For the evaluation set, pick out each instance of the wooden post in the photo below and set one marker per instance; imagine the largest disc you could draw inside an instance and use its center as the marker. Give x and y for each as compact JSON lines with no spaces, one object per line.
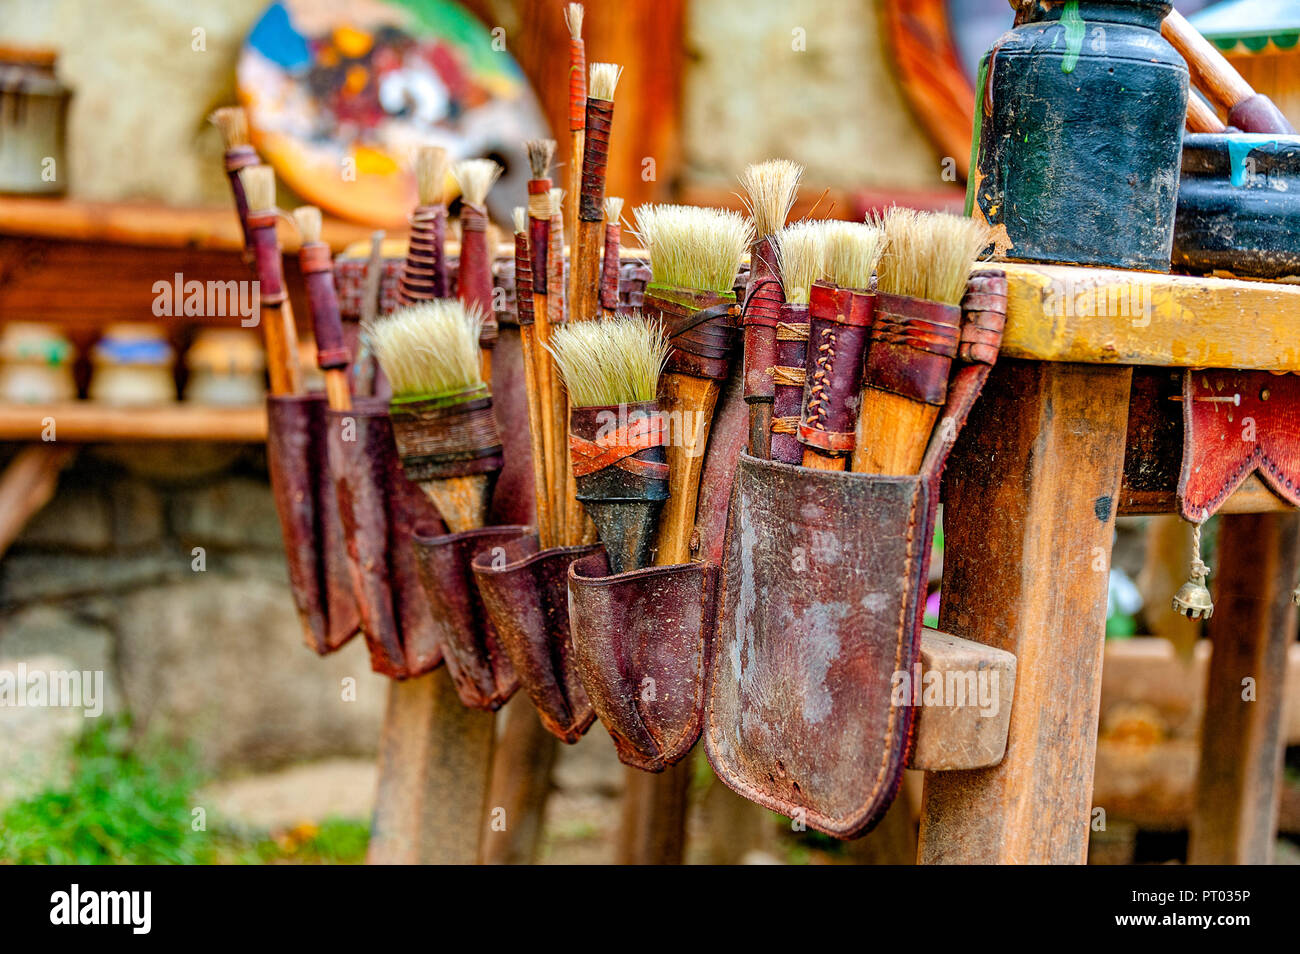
{"x":1234,"y":821}
{"x":653,"y":830}
{"x":435,"y":756}
{"x":521,"y":782}
{"x":1029,"y":513}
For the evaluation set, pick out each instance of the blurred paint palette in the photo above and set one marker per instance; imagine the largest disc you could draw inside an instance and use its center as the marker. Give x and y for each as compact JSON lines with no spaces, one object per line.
{"x":340,"y":94}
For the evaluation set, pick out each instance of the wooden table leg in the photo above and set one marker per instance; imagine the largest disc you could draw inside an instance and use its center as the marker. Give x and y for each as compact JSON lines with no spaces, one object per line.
{"x":434,"y":759}
{"x":653,"y":827}
{"x":521,"y":785}
{"x":1234,"y":821}
{"x":1028,"y":519}
{"x":27,"y":484}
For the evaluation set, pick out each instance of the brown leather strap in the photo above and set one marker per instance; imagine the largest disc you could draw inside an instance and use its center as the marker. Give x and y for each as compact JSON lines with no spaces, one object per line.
{"x":616,"y":449}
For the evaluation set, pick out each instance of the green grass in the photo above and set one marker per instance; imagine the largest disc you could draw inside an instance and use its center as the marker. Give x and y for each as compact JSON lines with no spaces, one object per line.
{"x":132,"y":802}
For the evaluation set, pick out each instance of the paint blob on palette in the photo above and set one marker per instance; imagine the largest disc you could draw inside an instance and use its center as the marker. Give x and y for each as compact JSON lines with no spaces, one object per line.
{"x":340,"y":95}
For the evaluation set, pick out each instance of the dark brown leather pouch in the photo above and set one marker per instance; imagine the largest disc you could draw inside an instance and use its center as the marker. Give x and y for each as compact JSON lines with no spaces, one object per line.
{"x":642,"y":638}
{"x":641,"y":642}
{"x":524,"y":593}
{"x":820,"y":604}
{"x":309,"y":521}
{"x":480,"y":669}
{"x":380,"y":510}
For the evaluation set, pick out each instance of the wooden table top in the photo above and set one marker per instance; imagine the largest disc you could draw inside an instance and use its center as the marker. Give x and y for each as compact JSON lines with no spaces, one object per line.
{"x":1111,"y":316}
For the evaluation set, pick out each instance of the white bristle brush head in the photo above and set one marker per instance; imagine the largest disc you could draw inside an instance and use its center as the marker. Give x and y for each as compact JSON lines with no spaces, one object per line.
{"x":308,"y":220}
{"x":429,"y":349}
{"x":259,"y":187}
{"x":603,"y":81}
{"x":693,"y":246}
{"x":800,"y":258}
{"x":610,"y":361}
{"x":770,"y":189}
{"x":431,"y":174}
{"x":475,"y":177}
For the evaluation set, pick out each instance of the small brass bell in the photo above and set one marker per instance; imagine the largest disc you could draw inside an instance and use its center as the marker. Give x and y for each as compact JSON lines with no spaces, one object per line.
{"x":1193,"y":597}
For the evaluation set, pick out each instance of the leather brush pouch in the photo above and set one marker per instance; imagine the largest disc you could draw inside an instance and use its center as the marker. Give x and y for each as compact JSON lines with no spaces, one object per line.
{"x":319,"y":576}
{"x":380,"y":510}
{"x":820,"y":604}
{"x":480,"y":668}
{"x":641,"y":639}
{"x":524,"y":592}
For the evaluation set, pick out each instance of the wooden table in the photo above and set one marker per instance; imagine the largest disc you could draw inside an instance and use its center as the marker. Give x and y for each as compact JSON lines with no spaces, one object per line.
{"x":1031,"y":497}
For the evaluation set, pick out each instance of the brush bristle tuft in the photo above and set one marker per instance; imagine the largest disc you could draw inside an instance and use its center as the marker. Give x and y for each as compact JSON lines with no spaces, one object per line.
{"x":604,"y":80}
{"x":308,"y":218}
{"x":431,"y":174}
{"x":430,"y":348}
{"x":541,"y":153}
{"x":573,"y":20}
{"x":613,"y":209}
{"x":801,"y":258}
{"x":692,"y":246}
{"x":232,"y":123}
{"x":770,"y":188}
{"x":928,"y":255}
{"x":610,"y":360}
{"x":852,"y":253}
{"x":521,"y":220}
{"x":259,"y":187}
{"x":475,"y":177}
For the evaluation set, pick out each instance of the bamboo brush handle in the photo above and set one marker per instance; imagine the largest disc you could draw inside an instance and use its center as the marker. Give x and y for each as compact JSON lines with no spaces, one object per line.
{"x":892,"y":433}
{"x":536,"y":427}
{"x":584,"y":303}
{"x":690,"y":401}
{"x":546,"y":386}
{"x":1211,"y":73}
{"x":817,"y":461}
{"x":1200,"y":117}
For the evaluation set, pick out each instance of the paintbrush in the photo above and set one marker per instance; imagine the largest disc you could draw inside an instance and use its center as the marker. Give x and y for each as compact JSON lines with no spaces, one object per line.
{"x":694,"y":256}
{"x":840,"y":314}
{"x":568,"y":512}
{"x":540,"y":154}
{"x":584,"y":300}
{"x":424,"y":274}
{"x":232,"y":123}
{"x":317,"y":265}
{"x":555,"y":260}
{"x":611,"y":369}
{"x":363,"y":369}
{"x":610,"y":263}
{"x":800,"y":252}
{"x":475,"y":177}
{"x":528,"y":342}
{"x":276,"y":313}
{"x":920,"y":282}
{"x":441,"y":409}
{"x":577,"y":114}
{"x":770,"y":189}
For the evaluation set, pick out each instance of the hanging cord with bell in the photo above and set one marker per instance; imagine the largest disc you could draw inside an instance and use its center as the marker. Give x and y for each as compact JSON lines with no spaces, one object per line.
{"x":1193,"y":597}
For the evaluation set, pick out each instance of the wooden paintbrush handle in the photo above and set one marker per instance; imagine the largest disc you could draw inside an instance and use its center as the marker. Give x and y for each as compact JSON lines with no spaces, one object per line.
{"x":1200,"y":117}
{"x":1211,"y":73}
{"x":276,"y":313}
{"x":332,"y":355}
{"x":893,"y":432}
{"x":536,"y":425}
{"x":688,"y":404}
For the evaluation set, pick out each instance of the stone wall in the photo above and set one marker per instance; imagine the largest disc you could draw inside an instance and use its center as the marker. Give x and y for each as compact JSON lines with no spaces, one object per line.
{"x":103,"y":579}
